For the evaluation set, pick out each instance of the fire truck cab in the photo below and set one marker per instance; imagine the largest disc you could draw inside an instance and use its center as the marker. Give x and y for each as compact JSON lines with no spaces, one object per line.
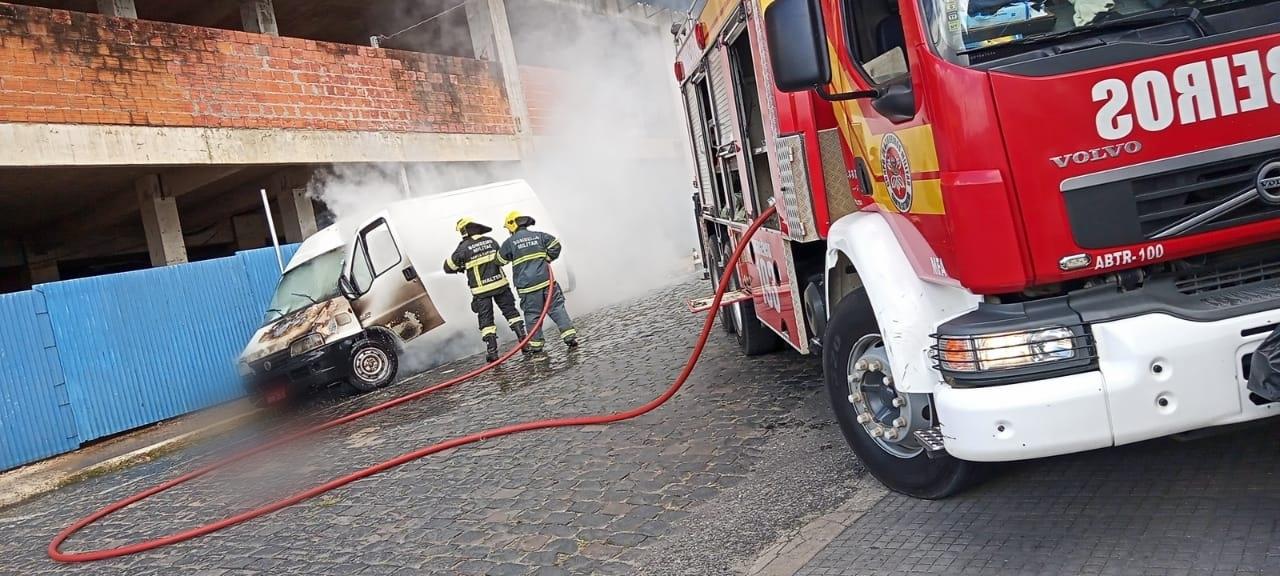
{"x":1012,"y":228}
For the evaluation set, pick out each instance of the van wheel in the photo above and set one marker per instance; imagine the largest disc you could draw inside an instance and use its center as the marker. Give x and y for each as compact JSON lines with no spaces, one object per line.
{"x":373,"y":365}
{"x":876,"y":419}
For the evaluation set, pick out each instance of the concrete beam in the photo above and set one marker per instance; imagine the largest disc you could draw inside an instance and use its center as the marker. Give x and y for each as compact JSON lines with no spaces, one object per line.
{"x":259,"y":17}
{"x":118,"y":8}
{"x":491,"y":40}
{"x":124,"y":204}
{"x":160,"y":222}
{"x":297,"y":213}
{"x":634,"y":12}
{"x":33,"y":145}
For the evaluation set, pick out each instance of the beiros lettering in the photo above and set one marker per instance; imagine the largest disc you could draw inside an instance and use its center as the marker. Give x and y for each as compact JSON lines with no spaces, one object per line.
{"x":1193,"y":92}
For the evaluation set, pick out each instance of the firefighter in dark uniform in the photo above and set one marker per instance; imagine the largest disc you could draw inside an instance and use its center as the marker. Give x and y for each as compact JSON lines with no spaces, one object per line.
{"x":477,"y":256}
{"x":531,"y":253}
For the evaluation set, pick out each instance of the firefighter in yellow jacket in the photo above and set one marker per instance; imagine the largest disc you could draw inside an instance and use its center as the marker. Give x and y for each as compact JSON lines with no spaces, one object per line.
{"x":478,"y":257}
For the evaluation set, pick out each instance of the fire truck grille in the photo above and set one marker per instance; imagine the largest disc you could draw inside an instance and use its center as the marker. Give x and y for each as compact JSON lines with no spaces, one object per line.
{"x":1227,"y":277}
{"x":1148,"y":208}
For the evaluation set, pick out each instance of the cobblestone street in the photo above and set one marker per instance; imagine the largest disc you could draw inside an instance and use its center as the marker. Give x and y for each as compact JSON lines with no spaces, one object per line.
{"x":595,"y":500}
{"x":1161,"y":508}
{"x":743,"y":472}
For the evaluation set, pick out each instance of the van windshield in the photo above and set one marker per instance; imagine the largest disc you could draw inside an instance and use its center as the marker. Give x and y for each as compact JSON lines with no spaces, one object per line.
{"x":311,"y":282}
{"x":961,"y":27}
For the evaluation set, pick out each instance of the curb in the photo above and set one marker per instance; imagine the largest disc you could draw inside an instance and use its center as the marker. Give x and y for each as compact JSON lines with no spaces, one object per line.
{"x":34,"y":480}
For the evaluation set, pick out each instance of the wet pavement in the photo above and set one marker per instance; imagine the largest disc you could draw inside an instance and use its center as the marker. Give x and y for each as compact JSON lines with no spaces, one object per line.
{"x":743,"y":472}
{"x":1205,"y":507}
{"x":609,"y":499}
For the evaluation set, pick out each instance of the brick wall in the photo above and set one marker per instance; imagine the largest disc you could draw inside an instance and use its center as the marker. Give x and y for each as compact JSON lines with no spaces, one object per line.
{"x":70,"y":67}
{"x":543,"y":87}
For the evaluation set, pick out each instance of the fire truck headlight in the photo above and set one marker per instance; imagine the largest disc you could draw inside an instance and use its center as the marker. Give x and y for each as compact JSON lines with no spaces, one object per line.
{"x":1007,"y":351}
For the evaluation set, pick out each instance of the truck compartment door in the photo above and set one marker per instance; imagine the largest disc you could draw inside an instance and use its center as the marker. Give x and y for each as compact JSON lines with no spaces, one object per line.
{"x":384,"y":287}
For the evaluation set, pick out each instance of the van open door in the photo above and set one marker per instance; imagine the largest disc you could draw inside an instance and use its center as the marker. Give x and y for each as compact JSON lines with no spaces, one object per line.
{"x":383,"y":286}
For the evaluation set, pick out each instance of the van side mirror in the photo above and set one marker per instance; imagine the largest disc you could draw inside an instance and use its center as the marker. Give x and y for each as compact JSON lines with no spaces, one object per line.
{"x":797,"y":38}
{"x":344,"y":286}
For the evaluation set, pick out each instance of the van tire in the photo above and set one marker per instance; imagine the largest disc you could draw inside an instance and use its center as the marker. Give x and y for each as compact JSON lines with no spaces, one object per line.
{"x":373,"y":365}
{"x":918,"y":476}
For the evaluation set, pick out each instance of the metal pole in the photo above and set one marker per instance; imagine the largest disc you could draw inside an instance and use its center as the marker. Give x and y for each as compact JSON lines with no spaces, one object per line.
{"x":271,"y":225}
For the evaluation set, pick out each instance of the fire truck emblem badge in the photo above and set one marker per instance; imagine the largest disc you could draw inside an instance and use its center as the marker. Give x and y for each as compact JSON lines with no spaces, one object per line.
{"x":1268,"y":183}
{"x":897,"y":172}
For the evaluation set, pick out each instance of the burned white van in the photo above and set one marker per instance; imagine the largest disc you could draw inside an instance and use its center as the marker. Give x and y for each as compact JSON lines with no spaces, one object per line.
{"x":347,"y":304}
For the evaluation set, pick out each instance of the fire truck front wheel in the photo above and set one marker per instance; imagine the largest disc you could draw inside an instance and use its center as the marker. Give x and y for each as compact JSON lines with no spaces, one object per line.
{"x":876,"y":419}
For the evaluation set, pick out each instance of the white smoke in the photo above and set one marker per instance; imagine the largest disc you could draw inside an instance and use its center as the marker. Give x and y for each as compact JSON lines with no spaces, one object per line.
{"x":610,"y":164}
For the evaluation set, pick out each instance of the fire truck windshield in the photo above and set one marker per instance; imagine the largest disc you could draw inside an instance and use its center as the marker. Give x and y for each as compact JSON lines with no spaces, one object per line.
{"x":990,"y":29}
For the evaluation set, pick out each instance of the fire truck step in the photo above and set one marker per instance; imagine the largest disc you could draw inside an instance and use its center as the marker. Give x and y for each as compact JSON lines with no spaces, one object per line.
{"x":703,"y":304}
{"x":931,"y":440}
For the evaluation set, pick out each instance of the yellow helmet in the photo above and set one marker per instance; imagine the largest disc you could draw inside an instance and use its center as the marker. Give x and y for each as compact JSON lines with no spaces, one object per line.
{"x":515,"y":220}
{"x":467,"y":227}
{"x":510,"y":222}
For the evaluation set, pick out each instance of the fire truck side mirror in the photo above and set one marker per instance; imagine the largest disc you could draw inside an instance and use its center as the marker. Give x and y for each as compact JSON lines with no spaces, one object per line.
{"x":797,"y":40}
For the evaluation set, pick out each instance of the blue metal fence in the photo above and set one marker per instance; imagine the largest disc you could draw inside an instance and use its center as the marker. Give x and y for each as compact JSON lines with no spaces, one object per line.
{"x":35,"y":418}
{"x":84,"y":359}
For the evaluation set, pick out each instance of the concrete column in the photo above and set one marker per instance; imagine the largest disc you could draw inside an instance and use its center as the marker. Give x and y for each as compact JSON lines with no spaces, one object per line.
{"x":40,"y":259}
{"x":160,"y":222}
{"x":117,"y":8}
{"x":250,"y":231}
{"x":259,"y":17}
{"x":297,"y":213}
{"x":491,"y":39}
{"x":43,"y":272}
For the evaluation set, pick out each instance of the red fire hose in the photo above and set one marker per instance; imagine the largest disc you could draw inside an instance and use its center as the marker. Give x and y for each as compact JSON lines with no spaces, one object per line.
{"x":247,"y":515}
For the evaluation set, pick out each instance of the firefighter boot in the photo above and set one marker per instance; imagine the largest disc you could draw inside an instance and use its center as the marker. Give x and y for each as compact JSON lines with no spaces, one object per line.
{"x":518,"y":328}
{"x":491,"y":348}
{"x":570,"y":337}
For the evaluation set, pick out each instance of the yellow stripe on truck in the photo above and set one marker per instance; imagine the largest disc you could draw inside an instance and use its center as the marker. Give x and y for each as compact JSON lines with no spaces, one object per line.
{"x":922,"y":152}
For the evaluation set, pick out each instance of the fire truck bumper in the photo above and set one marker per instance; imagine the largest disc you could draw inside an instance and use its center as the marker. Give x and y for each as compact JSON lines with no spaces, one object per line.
{"x":1157,"y":375}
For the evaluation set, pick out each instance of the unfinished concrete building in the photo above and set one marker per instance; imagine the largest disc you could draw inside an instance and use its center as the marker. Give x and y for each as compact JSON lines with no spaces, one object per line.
{"x":137,"y":133}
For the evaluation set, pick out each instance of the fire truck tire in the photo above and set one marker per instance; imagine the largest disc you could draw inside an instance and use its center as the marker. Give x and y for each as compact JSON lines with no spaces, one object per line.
{"x":373,"y":365}
{"x":915,"y":475}
{"x":753,"y":336}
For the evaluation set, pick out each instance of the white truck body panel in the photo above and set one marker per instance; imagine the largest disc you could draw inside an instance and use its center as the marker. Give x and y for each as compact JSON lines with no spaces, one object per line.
{"x":907,"y":308}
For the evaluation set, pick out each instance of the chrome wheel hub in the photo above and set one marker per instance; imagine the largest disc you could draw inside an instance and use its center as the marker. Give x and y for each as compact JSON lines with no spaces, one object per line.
{"x":889,"y":417}
{"x":371,"y":364}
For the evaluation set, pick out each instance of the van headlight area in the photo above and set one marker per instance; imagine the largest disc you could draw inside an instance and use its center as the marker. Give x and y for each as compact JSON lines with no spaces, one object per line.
{"x":999,"y":344}
{"x":306,"y":344}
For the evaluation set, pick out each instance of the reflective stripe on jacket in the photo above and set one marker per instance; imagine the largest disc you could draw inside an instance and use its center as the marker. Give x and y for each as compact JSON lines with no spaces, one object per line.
{"x":530,"y":253}
{"x":478,"y":257}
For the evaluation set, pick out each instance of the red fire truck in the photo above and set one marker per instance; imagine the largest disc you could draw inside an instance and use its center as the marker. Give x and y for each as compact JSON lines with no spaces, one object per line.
{"x":1013,"y":229}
